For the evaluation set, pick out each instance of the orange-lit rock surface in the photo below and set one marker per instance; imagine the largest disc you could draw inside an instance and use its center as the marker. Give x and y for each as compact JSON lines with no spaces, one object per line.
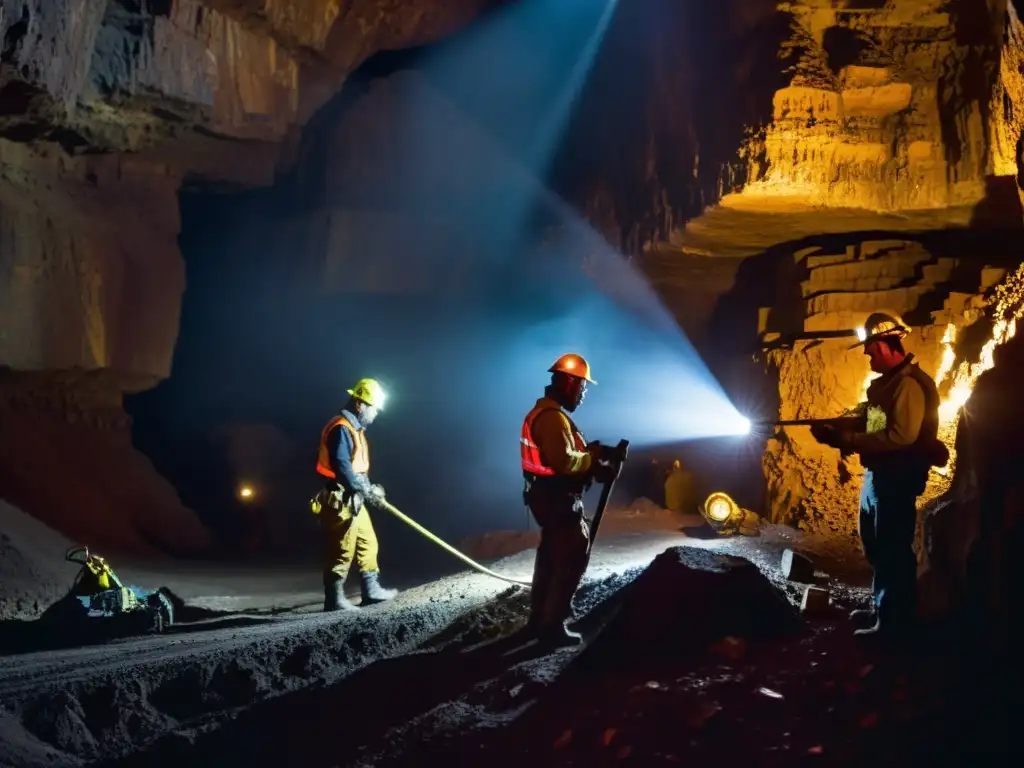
{"x":950,"y":305}
{"x":907,"y":105}
{"x":892,"y":143}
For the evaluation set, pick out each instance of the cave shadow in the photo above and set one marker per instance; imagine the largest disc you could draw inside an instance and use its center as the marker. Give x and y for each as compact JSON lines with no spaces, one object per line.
{"x":702,"y":532}
{"x":771,"y":279}
{"x":327,"y":726}
{"x":1000,"y":207}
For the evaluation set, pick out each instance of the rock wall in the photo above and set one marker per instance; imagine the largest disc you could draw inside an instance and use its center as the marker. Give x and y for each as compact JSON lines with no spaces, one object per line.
{"x":889,"y":107}
{"x":92,"y":274}
{"x":66,"y":458}
{"x":895,"y":133}
{"x":109,"y":106}
{"x":953,"y":305}
{"x":907,"y":105}
{"x":970,"y":539}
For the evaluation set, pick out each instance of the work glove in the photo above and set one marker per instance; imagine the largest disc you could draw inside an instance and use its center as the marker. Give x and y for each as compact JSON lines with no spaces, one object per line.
{"x":824,"y":433}
{"x":602,"y":452}
{"x":828,"y":434}
{"x":936,"y":453}
{"x":605,"y":473}
{"x":375,"y":497}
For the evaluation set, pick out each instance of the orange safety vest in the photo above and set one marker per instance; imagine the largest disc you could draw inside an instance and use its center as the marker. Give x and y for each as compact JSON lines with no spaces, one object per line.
{"x":528,"y":450}
{"x":360,"y":451}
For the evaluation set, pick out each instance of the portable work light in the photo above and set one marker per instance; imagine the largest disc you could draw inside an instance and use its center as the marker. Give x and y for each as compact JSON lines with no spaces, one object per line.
{"x":719,"y":508}
{"x":727,"y":517}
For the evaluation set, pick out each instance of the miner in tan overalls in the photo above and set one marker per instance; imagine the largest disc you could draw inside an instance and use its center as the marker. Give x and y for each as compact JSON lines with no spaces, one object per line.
{"x":348,"y":534}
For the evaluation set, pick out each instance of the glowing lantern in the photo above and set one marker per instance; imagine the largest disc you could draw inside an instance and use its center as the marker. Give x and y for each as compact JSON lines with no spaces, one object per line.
{"x":719,"y":508}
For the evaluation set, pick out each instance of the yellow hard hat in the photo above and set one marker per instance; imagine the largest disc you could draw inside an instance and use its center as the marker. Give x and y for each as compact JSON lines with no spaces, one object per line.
{"x":369,"y":391}
{"x":572,"y":365}
{"x":879,"y":325}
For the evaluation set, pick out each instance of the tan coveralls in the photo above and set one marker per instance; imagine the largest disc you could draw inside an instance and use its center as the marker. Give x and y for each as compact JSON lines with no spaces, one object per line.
{"x":345,"y":538}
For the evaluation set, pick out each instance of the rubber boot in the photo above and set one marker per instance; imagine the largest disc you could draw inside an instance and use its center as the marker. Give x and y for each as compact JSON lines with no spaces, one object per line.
{"x":334,"y":597}
{"x":373,"y":592}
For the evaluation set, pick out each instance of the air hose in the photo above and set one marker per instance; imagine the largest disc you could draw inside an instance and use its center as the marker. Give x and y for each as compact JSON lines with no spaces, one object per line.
{"x":443,"y":544}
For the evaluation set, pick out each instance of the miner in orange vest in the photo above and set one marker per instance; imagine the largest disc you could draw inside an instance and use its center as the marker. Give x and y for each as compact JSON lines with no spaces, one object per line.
{"x":558,"y":466}
{"x":344,"y":461}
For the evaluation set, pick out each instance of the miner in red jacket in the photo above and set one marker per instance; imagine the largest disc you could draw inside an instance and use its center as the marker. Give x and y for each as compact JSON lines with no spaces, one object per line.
{"x":558,"y":467}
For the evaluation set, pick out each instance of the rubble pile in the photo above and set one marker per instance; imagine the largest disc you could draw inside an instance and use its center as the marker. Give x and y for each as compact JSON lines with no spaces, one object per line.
{"x":33,"y":573}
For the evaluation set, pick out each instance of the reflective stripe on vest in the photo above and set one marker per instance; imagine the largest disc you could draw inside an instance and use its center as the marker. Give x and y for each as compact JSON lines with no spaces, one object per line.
{"x":360,"y":449}
{"x":528,"y":450}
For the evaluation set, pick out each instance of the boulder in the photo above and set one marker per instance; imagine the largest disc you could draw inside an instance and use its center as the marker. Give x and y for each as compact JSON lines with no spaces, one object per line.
{"x":689,"y":598}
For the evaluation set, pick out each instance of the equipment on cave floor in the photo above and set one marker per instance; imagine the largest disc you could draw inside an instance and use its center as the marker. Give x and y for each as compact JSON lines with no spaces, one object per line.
{"x":680,"y":493}
{"x":102,"y":607}
{"x":727,"y":517}
{"x":797,"y":567}
{"x":816,"y":602}
{"x":615,"y":457}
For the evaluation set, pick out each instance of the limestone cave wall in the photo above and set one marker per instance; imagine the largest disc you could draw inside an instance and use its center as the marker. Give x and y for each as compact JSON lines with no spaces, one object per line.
{"x":907,"y":105}
{"x":889,"y":107}
{"x":885,"y":175}
{"x":109,"y":107}
{"x":949,"y":295}
{"x":970,"y":539}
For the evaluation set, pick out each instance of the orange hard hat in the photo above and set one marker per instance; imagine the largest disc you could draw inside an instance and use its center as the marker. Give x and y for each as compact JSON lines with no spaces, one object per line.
{"x":572,"y":365}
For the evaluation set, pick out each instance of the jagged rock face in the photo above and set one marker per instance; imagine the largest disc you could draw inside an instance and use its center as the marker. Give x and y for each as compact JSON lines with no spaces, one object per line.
{"x":207,"y":90}
{"x":92,"y":274}
{"x":108,"y":107}
{"x":131,"y":72}
{"x":901,"y":106}
{"x":952,"y":305}
{"x":666,"y":108}
{"x":971,"y":537}
{"x":889,"y":107}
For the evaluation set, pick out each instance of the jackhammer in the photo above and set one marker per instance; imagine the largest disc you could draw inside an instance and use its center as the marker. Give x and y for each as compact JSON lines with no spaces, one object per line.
{"x":933,"y":450}
{"x":841,"y":422}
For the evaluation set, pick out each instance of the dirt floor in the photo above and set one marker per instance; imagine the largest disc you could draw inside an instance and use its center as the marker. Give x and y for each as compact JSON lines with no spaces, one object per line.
{"x":688,"y":656}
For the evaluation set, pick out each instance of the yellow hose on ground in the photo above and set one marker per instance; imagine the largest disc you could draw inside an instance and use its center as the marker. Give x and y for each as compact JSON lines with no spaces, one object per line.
{"x":445,"y":545}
